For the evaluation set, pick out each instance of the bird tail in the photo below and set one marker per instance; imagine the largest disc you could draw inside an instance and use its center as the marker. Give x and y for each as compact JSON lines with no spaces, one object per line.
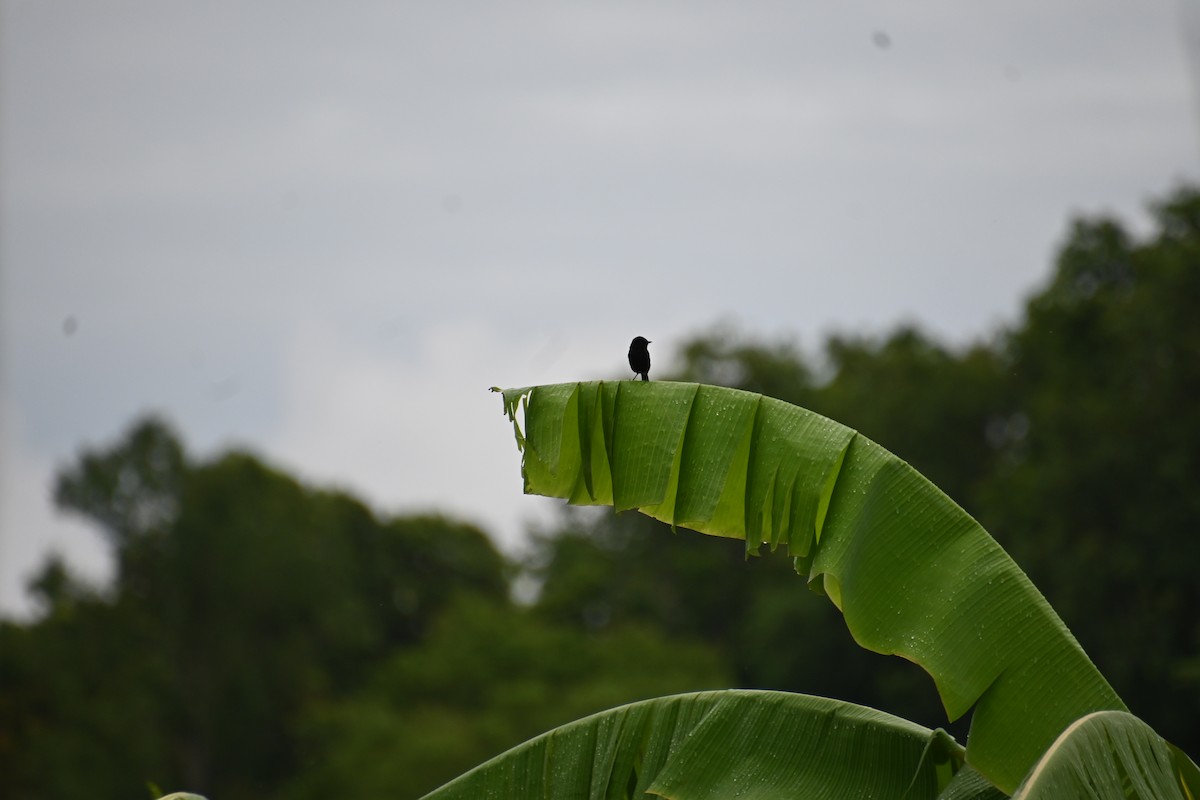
{"x":645,"y":376}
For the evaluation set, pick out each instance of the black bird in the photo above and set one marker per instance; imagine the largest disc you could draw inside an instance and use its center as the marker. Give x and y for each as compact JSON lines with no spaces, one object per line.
{"x":639,"y":357}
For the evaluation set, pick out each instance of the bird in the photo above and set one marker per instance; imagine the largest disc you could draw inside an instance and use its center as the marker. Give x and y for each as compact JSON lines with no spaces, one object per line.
{"x":639,"y":357}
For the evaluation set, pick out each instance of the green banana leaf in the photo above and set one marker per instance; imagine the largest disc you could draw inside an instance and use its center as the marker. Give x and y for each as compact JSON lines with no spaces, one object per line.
{"x":968,"y":784}
{"x":1110,"y":755}
{"x":914,"y":574}
{"x":709,"y":745}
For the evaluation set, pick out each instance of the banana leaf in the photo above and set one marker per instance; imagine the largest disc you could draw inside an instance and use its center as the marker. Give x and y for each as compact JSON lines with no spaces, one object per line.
{"x":1110,"y":755}
{"x":913,"y":574}
{"x":708,"y":745}
{"x":968,"y":784}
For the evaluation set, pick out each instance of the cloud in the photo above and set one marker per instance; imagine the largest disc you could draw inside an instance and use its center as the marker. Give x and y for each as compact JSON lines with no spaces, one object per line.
{"x":324,"y":233}
{"x":416,"y":432}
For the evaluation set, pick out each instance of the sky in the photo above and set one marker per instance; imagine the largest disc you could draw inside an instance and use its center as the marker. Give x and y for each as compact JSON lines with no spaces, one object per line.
{"x":321,"y":231}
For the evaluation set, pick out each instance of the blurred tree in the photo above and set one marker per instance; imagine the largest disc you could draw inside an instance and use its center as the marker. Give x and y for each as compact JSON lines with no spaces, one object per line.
{"x":262,"y":634}
{"x":489,"y":677}
{"x":1094,"y":492}
{"x":78,"y":699}
{"x":604,"y":570}
{"x":928,"y":404}
{"x":726,"y":357}
{"x":241,"y":596}
{"x":131,"y":490}
{"x":1074,"y":437}
{"x":607,"y":569}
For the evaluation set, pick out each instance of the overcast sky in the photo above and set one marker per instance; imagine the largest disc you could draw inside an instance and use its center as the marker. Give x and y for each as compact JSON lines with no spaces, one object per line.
{"x":322,"y":231}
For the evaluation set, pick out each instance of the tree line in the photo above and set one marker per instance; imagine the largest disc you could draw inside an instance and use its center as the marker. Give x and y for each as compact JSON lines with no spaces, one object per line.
{"x":266,"y":638}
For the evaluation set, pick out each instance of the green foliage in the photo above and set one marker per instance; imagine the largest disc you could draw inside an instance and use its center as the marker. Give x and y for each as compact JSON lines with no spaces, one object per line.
{"x":257,"y":630}
{"x":1098,"y":498}
{"x":876,"y":387}
{"x":1072,"y":436}
{"x":605,"y":570}
{"x":131,"y":490}
{"x":242,"y":598}
{"x":714,"y":745}
{"x":1108,"y":755}
{"x":913,"y":574}
{"x":263,"y":637}
{"x":487,"y":678}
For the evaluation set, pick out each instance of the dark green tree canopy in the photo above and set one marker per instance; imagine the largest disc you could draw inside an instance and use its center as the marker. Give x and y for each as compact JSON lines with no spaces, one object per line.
{"x":266,"y":637}
{"x":242,"y":596}
{"x":1072,"y":435}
